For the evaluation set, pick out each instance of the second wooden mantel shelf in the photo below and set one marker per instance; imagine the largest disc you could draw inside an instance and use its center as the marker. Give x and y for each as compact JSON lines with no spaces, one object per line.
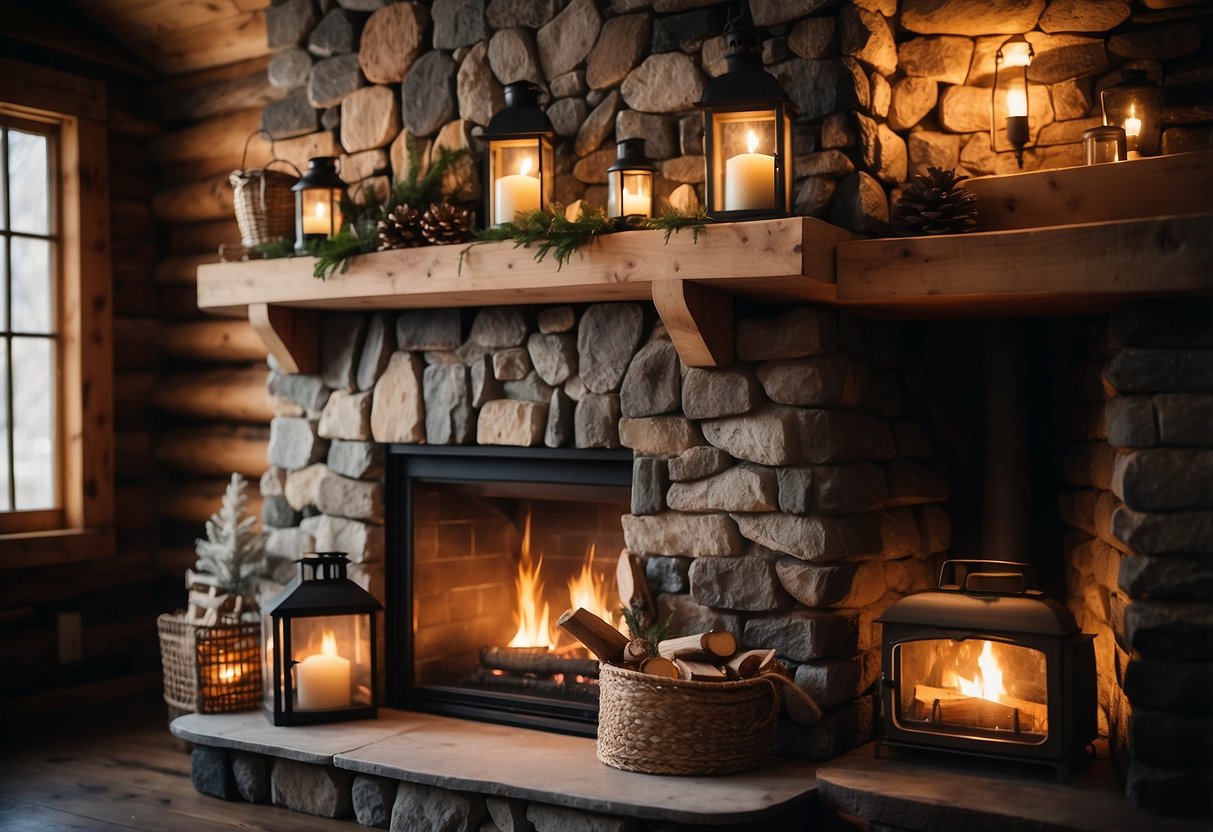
{"x":691,"y":283}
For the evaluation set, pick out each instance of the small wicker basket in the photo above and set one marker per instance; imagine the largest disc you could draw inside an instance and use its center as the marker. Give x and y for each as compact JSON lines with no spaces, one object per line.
{"x":210,"y":669}
{"x":264,"y":202}
{"x":666,"y":726}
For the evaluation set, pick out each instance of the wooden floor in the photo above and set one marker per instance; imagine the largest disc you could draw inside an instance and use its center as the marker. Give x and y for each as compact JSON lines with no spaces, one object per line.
{"x":132,"y":776}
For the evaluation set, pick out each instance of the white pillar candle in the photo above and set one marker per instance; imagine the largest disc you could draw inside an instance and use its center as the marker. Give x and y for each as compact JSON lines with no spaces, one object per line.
{"x":635,"y":204}
{"x":749,"y":180}
{"x":1132,"y":131}
{"x":516,"y":193}
{"x":323,"y":679}
{"x":316,"y":221}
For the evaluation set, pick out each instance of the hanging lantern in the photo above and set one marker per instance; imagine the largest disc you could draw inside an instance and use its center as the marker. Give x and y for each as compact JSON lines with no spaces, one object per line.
{"x":519,"y":167}
{"x":630,"y":182}
{"x":319,"y":194}
{"x":1011,"y":63}
{"x":320,"y":650}
{"x":747,"y":129}
{"x":1135,"y":105}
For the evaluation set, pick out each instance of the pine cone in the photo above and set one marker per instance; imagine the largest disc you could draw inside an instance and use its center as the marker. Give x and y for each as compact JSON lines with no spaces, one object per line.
{"x":935,"y":203}
{"x":400,"y":229}
{"x":445,"y":223}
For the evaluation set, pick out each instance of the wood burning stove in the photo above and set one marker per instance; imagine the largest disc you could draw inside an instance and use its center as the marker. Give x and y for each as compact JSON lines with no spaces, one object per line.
{"x":488,"y":546}
{"x":987,"y":665}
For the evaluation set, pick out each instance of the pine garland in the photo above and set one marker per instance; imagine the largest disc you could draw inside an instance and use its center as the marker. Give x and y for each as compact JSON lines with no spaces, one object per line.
{"x":672,"y":220}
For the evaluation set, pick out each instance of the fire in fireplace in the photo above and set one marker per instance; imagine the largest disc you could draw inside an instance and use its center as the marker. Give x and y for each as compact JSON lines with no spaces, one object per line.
{"x":487,"y":551}
{"x":986,"y":665}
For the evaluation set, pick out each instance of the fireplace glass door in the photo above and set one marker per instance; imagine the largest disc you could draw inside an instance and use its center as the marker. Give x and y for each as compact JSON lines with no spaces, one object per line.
{"x":492,"y":559}
{"x":972,"y":687}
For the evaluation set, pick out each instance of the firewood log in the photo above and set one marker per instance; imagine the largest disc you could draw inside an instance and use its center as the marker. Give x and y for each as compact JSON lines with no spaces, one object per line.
{"x":638,"y":651}
{"x":631,"y":582}
{"x":717,"y":644}
{"x":750,"y":663}
{"x":945,"y":705}
{"x":658,"y":666}
{"x":698,"y":671}
{"x":603,"y":640}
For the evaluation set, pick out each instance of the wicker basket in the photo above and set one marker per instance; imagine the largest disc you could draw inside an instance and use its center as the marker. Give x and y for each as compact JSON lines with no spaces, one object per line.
{"x":210,"y":670}
{"x":264,"y":202}
{"x":666,"y":726}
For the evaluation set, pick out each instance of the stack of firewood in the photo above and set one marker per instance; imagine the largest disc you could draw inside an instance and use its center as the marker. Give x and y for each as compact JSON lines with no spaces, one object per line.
{"x":704,"y":657}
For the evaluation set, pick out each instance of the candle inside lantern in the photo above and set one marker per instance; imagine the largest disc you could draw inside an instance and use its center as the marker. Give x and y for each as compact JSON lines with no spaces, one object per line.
{"x":323,"y":679}
{"x":749,"y":179}
{"x":635,"y":204}
{"x":317,"y":222}
{"x":1017,"y":103}
{"x":1132,"y":131}
{"x":516,"y":193}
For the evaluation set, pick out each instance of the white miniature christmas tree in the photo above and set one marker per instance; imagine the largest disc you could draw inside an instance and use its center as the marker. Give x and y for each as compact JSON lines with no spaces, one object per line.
{"x":230,"y":561}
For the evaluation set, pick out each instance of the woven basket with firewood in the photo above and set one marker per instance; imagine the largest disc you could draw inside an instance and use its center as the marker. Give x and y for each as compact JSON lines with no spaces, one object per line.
{"x":694,"y":705}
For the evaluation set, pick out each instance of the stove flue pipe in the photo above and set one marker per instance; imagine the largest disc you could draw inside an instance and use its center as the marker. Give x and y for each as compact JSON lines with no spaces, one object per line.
{"x":1006,"y":508}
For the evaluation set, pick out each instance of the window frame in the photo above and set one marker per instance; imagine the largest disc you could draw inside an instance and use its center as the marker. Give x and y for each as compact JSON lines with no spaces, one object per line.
{"x":83,"y":528}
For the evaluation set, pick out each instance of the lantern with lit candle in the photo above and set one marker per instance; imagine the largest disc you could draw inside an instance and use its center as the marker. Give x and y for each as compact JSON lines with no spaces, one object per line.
{"x":1135,"y":105}
{"x":1010,"y":93}
{"x":630,"y":183}
{"x":319,"y":194}
{"x":519,"y":166}
{"x":320,"y":647}
{"x":747,"y":128}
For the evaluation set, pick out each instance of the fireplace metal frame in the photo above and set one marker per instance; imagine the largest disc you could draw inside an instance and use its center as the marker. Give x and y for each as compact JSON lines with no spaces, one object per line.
{"x":406,"y":464}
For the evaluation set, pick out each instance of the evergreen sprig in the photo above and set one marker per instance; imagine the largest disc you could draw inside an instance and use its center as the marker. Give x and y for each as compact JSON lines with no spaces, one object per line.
{"x":233,"y":552}
{"x":672,"y":220}
{"x":644,"y":625}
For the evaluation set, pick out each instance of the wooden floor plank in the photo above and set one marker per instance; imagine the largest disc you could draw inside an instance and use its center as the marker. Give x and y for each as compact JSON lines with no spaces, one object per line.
{"x":130,"y":779}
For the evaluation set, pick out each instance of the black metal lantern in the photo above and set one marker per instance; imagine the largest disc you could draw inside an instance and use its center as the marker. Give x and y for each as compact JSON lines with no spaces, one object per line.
{"x":1014,"y":54}
{"x":519,"y":166}
{"x":747,"y":129}
{"x":320,"y":650}
{"x":630,"y":182}
{"x":1135,"y":105}
{"x":319,"y":194}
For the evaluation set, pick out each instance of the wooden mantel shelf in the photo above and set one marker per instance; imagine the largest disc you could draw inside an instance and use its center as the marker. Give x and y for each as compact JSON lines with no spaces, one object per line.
{"x":1128,"y":230}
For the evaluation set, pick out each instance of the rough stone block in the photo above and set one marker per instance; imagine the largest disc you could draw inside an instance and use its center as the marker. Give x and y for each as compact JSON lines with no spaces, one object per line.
{"x":1169,"y":630}
{"x":432,"y":808}
{"x":361,"y":541}
{"x":339,"y":496}
{"x":596,"y":421}
{"x":653,"y":382}
{"x":485,"y":387}
{"x":511,"y":364}
{"x":793,"y":334}
{"x":332,"y":79}
{"x":428,"y":94}
{"x":211,"y":772}
{"x":398,"y":410}
{"x":340,"y":348}
{"x":1170,"y":685}
{"x":845,"y":584}
{"x":698,"y":462}
{"x":663,"y":83}
{"x":306,"y":391}
{"x":391,"y":41}
{"x":277,"y":513}
{"x":710,"y":394}
{"x":561,"y":819}
{"x":287,"y":23}
{"x":531,"y":388}
{"x":513,"y":57}
{"x":822,"y":380}
{"x":295,"y":443}
{"x":459,"y":23}
{"x":557,"y":319}
{"x":346,"y":416}
{"x":554,"y":356}
{"x":373,"y":798}
{"x":663,"y":436}
{"x":801,"y":634}
{"x":943,"y":59}
{"x":289,"y":545}
{"x":650,"y":479}
{"x":1185,"y":420}
{"x":828,"y":436}
{"x":567,"y":38}
{"x":668,"y":574}
{"x":816,"y":539}
{"x":619,"y":47}
{"x":289,"y":116}
{"x":1172,"y":577}
{"x":740,"y":488}
{"x":509,"y":422}
{"x":860,"y":204}
{"x":672,"y":533}
{"x":508,"y":815}
{"x":312,"y":789}
{"x":1164,"y":479}
{"x":429,"y":329}
{"x":273,"y":481}
{"x":1138,"y":370}
{"x":857,"y":488}
{"x":1186,"y":532}
{"x":499,"y":327}
{"x":745,"y":584}
{"x":377,"y":348}
{"x":449,"y":417}
{"x":837,"y":732}
{"x":930,"y":17}
{"x":558,"y":433}
{"x":833,"y":681}
{"x":607,"y":338}
{"x":686,"y":616}
{"x":357,"y":460}
{"x":768,"y":435}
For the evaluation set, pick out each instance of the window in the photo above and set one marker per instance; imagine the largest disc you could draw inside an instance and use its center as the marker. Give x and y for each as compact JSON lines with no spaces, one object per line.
{"x":56,"y":358}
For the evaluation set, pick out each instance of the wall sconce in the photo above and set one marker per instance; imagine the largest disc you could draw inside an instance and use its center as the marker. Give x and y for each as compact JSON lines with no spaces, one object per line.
{"x":319,"y":194}
{"x":747,"y":128}
{"x":630,"y":182}
{"x":1135,"y":105}
{"x":320,"y":651}
{"x":1015,"y":53}
{"x":519,"y":164}
{"x":1103,"y":144}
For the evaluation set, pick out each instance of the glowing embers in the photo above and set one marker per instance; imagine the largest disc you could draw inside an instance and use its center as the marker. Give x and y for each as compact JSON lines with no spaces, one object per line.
{"x":982,"y":688}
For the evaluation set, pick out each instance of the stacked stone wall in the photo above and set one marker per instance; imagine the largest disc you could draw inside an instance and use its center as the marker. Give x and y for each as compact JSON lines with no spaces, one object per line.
{"x":785,"y":498}
{"x":1138,"y":573}
{"x":886,"y":88}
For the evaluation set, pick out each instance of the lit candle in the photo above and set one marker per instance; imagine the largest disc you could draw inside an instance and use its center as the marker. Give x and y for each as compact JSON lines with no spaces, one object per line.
{"x":1132,"y":131}
{"x":749,"y":179}
{"x":1017,"y":103}
{"x":317,"y":222}
{"x":635,"y":204}
{"x":323,"y":679}
{"x":516,"y":193}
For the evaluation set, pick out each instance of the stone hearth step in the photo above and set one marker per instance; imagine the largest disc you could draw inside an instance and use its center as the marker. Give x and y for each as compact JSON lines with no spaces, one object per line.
{"x":509,"y":762}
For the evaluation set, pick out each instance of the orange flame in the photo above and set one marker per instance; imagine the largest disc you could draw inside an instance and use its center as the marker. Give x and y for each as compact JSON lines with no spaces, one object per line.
{"x":533,"y":627}
{"x":588,"y":590}
{"x":988,"y":684}
{"x":328,"y":644}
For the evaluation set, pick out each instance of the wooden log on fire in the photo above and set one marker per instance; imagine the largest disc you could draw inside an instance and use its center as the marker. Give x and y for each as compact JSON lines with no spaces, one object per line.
{"x":715,"y":644}
{"x":947,"y":706}
{"x":540,"y":662}
{"x":699,"y":671}
{"x":750,"y":663}
{"x":603,"y":640}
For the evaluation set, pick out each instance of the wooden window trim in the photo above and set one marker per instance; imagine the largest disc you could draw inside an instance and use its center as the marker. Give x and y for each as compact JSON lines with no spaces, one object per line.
{"x":78,"y":106}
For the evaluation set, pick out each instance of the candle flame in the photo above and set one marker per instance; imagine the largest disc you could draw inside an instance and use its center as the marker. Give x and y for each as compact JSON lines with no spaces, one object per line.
{"x":988,"y":684}
{"x":525,"y":169}
{"x":320,"y":210}
{"x":752,"y":141}
{"x":328,"y":644}
{"x":1132,"y":123}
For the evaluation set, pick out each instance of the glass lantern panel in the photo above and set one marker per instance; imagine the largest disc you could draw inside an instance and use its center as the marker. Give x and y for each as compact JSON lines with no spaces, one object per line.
{"x":514,"y":171}
{"x":1137,"y":110}
{"x":786,"y":155}
{"x":744,"y":145}
{"x":331,"y":662}
{"x":973,"y":688}
{"x":321,"y":211}
{"x":547,"y":173}
{"x":271,"y":682}
{"x":630,"y":193}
